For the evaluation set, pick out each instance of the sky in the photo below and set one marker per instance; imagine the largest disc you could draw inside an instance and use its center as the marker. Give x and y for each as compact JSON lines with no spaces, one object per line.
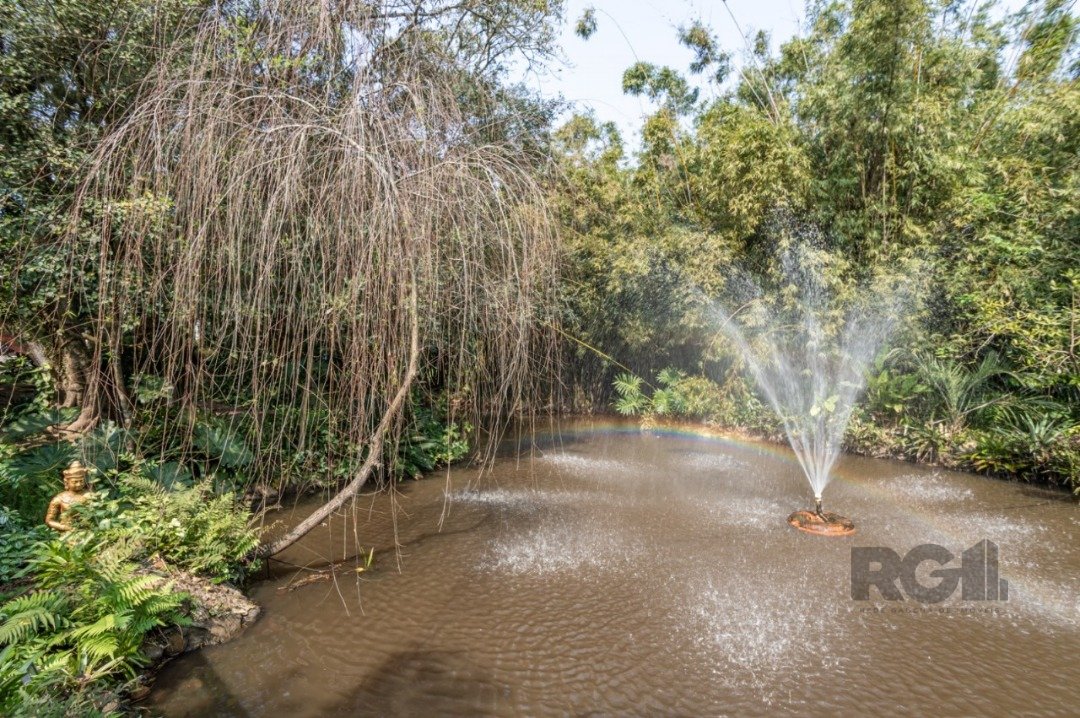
{"x":645,"y":30}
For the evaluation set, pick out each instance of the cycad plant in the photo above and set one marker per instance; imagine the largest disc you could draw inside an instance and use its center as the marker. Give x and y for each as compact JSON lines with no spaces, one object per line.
{"x":676,"y":395}
{"x":961,"y":392}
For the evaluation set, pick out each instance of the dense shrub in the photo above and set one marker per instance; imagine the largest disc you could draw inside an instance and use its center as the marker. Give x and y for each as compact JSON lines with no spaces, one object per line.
{"x":192,"y":528}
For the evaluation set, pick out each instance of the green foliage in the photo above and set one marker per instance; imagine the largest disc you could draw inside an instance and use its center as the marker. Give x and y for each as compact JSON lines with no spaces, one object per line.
{"x":1035,"y":448}
{"x":997,"y":452}
{"x":25,"y":424}
{"x":908,"y":134}
{"x":80,"y":627}
{"x":192,"y":528}
{"x":167,"y":474}
{"x":75,"y":609}
{"x":30,"y":476}
{"x":430,"y":441}
{"x":104,"y":448}
{"x":959,"y":391}
{"x":707,"y":52}
{"x":170,"y":475}
{"x":17,"y":547}
{"x":631,"y":399}
{"x":866,"y":436}
{"x":30,"y":470}
{"x":928,"y":441}
{"x":889,"y":392}
{"x":222,"y":444}
{"x":660,"y":84}
{"x":67,"y":71}
{"x":746,"y":164}
{"x":586,"y":24}
{"x":24,"y":388}
{"x":677,"y":396}
{"x":155,"y":507}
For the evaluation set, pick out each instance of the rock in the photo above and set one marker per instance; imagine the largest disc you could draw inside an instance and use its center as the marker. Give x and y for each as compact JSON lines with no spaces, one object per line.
{"x":218,"y":613}
{"x":176,"y":643}
{"x":137,"y":694}
{"x":225,"y":628}
{"x":152,"y":651}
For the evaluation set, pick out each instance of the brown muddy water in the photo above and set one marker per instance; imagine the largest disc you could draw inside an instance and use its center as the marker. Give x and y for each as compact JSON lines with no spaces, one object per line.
{"x":621,"y":573}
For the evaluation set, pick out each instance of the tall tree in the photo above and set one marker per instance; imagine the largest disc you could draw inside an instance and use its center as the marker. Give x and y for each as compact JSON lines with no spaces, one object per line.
{"x":68,"y":71}
{"x":312,"y":205}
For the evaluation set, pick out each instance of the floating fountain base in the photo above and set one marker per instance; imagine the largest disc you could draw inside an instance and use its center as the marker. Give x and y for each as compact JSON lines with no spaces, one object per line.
{"x":825,"y":523}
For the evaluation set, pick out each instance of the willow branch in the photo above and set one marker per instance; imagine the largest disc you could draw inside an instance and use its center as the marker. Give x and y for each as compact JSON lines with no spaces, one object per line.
{"x":375,"y":448}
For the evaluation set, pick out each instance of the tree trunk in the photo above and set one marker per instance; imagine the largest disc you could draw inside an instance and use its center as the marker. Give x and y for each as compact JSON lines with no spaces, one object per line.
{"x":71,"y":380}
{"x":84,"y":382}
{"x":124,"y":404}
{"x":397,"y":405}
{"x":98,"y":386}
{"x":37,"y":354}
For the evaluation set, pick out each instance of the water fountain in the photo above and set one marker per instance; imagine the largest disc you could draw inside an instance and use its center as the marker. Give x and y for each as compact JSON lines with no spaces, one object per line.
{"x":598,"y":569}
{"x":809,"y":359}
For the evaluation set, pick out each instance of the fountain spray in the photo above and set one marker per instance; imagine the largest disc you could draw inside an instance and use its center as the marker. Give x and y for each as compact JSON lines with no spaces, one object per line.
{"x":811,"y":368}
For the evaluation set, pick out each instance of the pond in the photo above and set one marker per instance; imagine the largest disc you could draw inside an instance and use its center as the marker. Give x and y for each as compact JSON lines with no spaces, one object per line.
{"x":607,"y":571}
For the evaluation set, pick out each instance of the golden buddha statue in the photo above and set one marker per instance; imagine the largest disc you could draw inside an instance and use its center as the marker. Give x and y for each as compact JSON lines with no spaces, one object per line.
{"x":75,"y":492}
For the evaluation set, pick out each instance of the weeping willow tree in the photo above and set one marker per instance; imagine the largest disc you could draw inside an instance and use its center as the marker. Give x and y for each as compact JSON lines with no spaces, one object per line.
{"x":315,"y":204}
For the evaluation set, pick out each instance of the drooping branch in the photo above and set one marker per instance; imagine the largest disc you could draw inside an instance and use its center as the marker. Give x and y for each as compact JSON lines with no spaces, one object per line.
{"x":263,"y":203}
{"x":374,"y":449}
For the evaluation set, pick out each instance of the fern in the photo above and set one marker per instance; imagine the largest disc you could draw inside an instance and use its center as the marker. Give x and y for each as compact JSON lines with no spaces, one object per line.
{"x":78,"y":631}
{"x":83,"y":624}
{"x":192,"y":528}
{"x":30,"y":614}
